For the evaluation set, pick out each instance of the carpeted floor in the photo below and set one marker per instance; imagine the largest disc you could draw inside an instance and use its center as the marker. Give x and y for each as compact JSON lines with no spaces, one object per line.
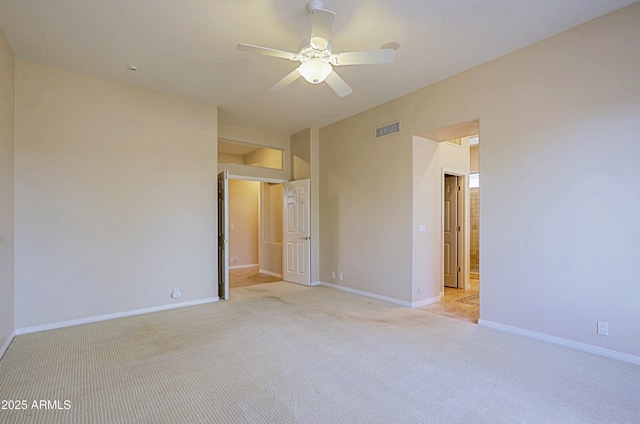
{"x":283,"y":353}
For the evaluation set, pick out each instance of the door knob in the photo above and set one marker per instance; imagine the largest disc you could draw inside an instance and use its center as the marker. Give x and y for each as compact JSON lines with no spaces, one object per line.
{"x":306,"y":238}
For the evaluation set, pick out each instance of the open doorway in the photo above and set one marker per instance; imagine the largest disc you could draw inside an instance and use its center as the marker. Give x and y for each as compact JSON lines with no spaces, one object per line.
{"x":461,"y":296}
{"x":474,"y":209}
{"x":255,"y":232}
{"x":460,"y":289}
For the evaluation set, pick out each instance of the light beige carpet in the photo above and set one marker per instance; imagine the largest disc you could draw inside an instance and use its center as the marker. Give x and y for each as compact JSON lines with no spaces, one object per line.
{"x":282,"y":353}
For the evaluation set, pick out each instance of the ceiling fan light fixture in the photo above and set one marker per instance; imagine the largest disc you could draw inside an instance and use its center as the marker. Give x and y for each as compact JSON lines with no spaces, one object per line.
{"x":317,"y":58}
{"x":315,"y":70}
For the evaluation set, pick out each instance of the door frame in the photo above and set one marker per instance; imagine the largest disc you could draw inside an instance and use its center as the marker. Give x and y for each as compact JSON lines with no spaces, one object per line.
{"x":223,"y":266}
{"x":223,"y":235}
{"x":463,"y":251}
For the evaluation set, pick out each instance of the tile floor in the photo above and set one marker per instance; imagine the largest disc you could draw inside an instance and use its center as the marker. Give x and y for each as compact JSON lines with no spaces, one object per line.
{"x":455,"y":305}
{"x":243,"y":277}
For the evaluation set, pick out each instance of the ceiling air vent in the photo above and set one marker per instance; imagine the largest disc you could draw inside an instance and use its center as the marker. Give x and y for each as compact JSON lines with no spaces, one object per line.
{"x":388,"y":130}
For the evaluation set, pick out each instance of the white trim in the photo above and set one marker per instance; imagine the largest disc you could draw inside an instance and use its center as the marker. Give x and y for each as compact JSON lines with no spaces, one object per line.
{"x":314,"y":283}
{"x":243,"y":266}
{"x":600,"y":351}
{"x":6,"y":344}
{"x":367,"y":294}
{"x":273,"y":274}
{"x":425,"y":302}
{"x":88,"y":320}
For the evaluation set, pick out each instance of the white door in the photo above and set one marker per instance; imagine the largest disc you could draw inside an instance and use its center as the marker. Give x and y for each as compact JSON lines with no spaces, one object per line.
{"x":223,"y":230}
{"x":451,"y":231}
{"x":295,"y":220}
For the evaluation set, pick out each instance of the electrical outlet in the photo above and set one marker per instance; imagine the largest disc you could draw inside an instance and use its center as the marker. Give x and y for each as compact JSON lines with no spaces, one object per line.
{"x":341,"y":277}
{"x":603,"y":328}
{"x":419,"y":289}
{"x":176,"y":293}
{"x":333,"y":275}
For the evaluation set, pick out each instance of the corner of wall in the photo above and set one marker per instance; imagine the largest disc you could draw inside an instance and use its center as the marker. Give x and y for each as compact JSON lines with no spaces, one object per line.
{"x":7,"y":222}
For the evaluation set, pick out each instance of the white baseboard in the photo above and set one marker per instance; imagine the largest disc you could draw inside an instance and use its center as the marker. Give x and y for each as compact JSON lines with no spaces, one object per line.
{"x":6,"y":344}
{"x":273,"y":274}
{"x":608,"y":353}
{"x":367,"y":294}
{"x":242,"y":266}
{"x":313,"y":283}
{"x":419,"y":304}
{"x":425,"y":302}
{"x":88,"y":320}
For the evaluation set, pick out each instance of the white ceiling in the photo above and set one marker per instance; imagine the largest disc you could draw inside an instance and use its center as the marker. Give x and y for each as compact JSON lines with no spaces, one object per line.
{"x":187,"y":48}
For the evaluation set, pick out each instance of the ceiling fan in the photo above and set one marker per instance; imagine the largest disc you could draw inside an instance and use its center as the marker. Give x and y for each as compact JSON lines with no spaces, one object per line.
{"x":317,"y":58}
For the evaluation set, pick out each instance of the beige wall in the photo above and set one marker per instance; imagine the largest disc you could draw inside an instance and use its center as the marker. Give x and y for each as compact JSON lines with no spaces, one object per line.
{"x":365,"y":206}
{"x":475,"y":158}
{"x":373,"y":196}
{"x":114,"y":197}
{"x":260,"y":138}
{"x":266,"y":158}
{"x":301,"y":155}
{"x":270,"y":254}
{"x":564,"y":112}
{"x":243,"y":217}
{"x":7,"y":77}
{"x":227,"y":158}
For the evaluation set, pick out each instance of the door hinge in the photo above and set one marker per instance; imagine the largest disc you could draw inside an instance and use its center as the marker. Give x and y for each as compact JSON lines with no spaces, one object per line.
{"x":458,"y":228}
{"x":459,"y":188}
{"x":459,"y":269}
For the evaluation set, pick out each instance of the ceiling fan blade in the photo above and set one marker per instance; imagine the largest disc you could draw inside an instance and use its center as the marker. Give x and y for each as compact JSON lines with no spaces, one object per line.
{"x":267,"y":51}
{"x":339,"y":86}
{"x":321,"y":28}
{"x":364,"y":57}
{"x":291,"y":77}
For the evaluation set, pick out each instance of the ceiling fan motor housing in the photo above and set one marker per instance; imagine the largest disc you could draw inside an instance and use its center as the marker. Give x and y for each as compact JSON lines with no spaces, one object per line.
{"x":310,"y":52}
{"x":314,"y":4}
